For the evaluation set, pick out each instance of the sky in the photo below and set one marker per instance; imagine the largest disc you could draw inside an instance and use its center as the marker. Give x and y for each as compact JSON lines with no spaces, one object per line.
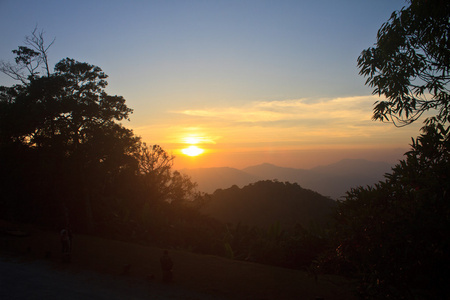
{"x":248,"y":82}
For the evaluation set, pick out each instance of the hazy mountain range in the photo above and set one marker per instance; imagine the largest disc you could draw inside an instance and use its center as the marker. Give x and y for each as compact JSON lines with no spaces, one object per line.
{"x":331,"y":180}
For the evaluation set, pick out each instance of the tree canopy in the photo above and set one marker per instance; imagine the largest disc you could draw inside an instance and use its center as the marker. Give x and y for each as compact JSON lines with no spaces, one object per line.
{"x":410,"y":63}
{"x":63,"y":146}
{"x":393,"y":236}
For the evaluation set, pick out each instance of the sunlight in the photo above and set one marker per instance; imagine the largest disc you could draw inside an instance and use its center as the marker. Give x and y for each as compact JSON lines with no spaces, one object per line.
{"x":192,"y":140}
{"x":192,"y":151}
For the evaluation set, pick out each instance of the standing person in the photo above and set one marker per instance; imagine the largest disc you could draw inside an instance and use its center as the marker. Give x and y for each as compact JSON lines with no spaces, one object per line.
{"x":65,"y":241}
{"x":66,"y":237}
{"x":69,"y":233}
{"x":166,"y":266}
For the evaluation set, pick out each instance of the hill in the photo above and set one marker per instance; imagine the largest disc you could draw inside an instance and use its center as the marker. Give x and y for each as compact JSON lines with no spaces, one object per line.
{"x":331,"y":180}
{"x":266,"y":202}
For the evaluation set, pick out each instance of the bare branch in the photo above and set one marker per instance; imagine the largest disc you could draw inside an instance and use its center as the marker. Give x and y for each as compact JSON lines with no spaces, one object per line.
{"x":36,"y":41}
{"x":29,"y":59}
{"x":15,"y":72}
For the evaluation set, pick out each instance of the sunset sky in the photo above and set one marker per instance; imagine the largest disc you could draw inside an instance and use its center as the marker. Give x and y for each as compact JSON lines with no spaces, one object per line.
{"x":246,"y":81}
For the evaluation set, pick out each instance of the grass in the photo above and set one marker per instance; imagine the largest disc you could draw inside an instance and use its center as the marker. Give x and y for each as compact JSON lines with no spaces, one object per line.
{"x":200,"y":273}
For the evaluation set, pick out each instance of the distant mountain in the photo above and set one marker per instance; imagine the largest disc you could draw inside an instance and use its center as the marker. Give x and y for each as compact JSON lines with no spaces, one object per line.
{"x":354,"y":166}
{"x":211,"y":179}
{"x":331,"y":180}
{"x":266,"y":202}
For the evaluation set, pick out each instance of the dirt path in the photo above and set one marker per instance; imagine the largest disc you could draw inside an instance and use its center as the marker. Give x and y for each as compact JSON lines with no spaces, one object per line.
{"x":38,"y":280}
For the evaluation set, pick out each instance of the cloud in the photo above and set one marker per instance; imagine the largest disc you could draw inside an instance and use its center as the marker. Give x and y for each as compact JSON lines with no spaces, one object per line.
{"x":296,"y":123}
{"x":301,"y":110}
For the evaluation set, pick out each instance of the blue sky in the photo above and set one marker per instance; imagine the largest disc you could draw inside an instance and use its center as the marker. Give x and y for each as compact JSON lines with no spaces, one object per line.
{"x":242,"y":77}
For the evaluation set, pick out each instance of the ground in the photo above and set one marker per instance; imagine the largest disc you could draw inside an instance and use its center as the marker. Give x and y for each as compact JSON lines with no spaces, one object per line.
{"x":37,"y":280}
{"x":32,"y":268}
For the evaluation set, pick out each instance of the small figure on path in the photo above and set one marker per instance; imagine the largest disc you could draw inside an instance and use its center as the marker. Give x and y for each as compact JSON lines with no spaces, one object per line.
{"x":66,"y":243}
{"x":166,"y":266}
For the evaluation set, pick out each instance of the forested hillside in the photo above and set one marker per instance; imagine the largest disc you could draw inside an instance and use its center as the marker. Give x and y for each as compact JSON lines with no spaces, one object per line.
{"x":264,"y":203}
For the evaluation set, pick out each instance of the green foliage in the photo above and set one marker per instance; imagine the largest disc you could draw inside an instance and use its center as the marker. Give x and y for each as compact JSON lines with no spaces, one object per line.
{"x":394,"y":236}
{"x":410,"y":63}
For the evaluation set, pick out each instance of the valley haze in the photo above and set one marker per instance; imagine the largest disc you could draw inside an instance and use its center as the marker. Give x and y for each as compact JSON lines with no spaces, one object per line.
{"x":332,"y":180}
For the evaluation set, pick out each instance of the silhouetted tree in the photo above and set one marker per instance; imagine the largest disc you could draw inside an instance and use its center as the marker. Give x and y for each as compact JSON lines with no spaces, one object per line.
{"x":392,"y":236}
{"x":67,"y":123}
{"x":29,"y":61}
{"x":410,"y":63}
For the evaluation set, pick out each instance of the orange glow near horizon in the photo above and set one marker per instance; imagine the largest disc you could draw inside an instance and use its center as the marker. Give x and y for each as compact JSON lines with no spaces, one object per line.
{"x":303,"y":159}
{"x":301,"y":133}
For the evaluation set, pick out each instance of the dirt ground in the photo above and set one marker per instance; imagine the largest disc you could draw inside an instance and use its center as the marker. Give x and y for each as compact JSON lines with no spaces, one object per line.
{"x":32,"y":268}
{"x":37,"y":280}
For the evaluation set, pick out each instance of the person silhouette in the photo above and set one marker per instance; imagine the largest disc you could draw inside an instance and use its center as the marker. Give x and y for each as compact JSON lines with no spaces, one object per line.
{"x":66,"y":243}
{"x":166,"y":266}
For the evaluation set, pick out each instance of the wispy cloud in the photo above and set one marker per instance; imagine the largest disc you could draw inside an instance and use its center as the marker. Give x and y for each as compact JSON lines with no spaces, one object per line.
{"x":326,"y":110}
{"x":297,"y":122}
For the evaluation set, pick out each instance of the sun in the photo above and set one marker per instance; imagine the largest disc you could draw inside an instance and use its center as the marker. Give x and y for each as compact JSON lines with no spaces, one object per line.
{"x":192,"y":151}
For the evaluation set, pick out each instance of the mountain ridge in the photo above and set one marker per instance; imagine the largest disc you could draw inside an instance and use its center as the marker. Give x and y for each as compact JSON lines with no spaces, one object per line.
{"x":331,"y":180}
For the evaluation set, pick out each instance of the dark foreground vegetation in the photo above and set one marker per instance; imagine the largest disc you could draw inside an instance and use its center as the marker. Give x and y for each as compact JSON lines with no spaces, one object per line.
{"x":66,"y":160}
